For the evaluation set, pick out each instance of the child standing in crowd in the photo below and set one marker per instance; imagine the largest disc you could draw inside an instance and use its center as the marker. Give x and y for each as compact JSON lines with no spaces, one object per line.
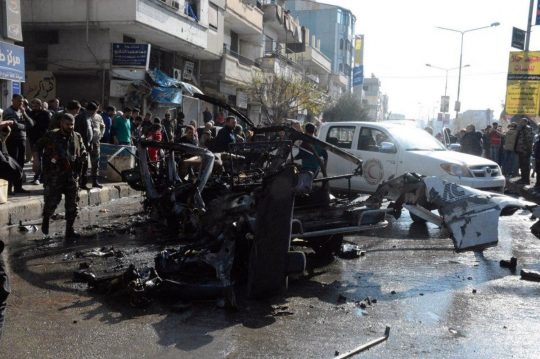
{"x":154,"y":134}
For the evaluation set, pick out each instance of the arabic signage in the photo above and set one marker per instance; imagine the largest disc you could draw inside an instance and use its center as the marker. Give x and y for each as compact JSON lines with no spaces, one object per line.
{"x":523,"y":83}
{"x":12,"y":19}
{"x":518,"y":38}
{"x":15,"y":87}
{"x":131,"y":55}
{"x":40,"y":84}
{"x":358,"y":75}
{"x":11,"y":62}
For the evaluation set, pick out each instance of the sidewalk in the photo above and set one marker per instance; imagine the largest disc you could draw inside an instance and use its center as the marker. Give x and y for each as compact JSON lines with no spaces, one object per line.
{"x":28,"y":207}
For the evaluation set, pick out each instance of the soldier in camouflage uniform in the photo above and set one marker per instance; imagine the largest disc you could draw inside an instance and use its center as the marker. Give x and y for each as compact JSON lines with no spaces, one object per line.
{"x":62,"y":163}
{"x":523,"y":147}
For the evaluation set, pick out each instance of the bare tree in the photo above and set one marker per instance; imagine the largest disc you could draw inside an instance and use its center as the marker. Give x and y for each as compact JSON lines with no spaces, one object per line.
{"x":283,"y":96}
{"x":347,"y":108}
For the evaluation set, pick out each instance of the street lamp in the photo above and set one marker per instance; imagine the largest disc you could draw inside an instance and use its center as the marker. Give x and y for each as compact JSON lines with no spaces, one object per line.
{"x":440,"y":68}
{"x":461,"y":55}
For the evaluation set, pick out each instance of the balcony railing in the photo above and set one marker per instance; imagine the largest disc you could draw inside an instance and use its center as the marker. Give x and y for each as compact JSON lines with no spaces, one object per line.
{"x":284,"y":59}
{"x":241,"y":59}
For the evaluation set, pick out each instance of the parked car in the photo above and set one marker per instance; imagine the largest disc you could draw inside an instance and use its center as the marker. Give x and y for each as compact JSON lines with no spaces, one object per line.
{"x":390,"y":150}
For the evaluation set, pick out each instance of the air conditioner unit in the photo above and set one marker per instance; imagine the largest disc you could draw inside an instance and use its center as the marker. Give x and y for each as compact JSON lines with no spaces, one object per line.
{"x":176,"y":74}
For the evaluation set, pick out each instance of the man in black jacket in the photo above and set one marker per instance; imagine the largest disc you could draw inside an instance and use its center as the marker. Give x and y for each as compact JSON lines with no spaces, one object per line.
{"x":471,"y":142}
{"x":225,"y":136}
{"x":42,"y":120}
{"x":16,"y":142}
{"x":83,"y":125}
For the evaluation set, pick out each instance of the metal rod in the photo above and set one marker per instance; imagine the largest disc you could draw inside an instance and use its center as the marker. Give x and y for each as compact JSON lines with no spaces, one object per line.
{"x":365,"y":346}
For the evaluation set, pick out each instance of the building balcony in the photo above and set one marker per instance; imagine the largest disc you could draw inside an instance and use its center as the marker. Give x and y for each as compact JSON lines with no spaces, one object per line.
{"x":313,"y":59}
{"x":339,"y":79}
{"x":243,"y":18}
{"x":279,"y":20}
{"x":163,"y":23}
{"x":232,"y":68}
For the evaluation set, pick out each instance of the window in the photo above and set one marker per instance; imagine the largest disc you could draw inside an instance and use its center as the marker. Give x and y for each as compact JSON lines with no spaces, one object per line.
{"x":341,"y":136}
{"x":370,"y":139}
{"x":340,"y":67}
{"x":341,"y":44}
{"x":365,"y":88}
{"x":213,"y":16}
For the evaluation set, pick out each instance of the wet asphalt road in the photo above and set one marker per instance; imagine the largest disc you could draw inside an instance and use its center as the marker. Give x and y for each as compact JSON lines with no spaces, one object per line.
{"x":433,"y":313}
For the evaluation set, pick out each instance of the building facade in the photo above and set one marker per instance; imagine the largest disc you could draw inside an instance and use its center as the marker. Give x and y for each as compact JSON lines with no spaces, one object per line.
{"x":334,"y":26}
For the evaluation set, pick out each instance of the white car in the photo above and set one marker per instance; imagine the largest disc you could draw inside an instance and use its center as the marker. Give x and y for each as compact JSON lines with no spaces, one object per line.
{"x":390,"y":150}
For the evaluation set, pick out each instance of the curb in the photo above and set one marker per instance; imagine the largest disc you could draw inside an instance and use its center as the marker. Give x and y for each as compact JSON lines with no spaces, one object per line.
{"x":528,"y":192}
{"x":30,"y":209}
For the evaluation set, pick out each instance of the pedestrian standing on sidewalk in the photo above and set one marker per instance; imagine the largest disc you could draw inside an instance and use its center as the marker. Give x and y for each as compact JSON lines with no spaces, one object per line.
{"x":62,"y":164}
{"x":169,"y":125}
{"x":107,"y":117}
{"x":98,"y":130}
{"x":83,"y":126}
{"x":122,"y":129}
{"x":523,"y":147}
{"x":509,"y":143}
{"x":42,"y":120}
{"x":495,"y":137}
{"x":16,"y":142}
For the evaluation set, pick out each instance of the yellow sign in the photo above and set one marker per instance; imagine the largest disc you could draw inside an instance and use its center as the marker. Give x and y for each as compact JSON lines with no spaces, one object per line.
{"x":523,"y":83}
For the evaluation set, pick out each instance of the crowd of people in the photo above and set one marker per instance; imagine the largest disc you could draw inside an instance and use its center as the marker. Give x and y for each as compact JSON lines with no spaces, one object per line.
{"x":65,"y":140}
{"x":512,"y":149}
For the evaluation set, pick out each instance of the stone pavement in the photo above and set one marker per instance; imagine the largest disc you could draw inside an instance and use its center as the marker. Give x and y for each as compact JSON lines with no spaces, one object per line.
{"x":28,"y":207}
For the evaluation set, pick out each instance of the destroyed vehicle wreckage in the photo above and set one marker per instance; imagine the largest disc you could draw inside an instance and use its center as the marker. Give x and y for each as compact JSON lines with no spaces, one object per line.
{"x":236,"y":213}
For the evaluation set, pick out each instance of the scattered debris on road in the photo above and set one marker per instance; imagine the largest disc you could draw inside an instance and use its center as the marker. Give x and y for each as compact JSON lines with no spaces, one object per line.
{"x":531,"y":275}
{"x":365,"y":346}
{"x":512,"y":263}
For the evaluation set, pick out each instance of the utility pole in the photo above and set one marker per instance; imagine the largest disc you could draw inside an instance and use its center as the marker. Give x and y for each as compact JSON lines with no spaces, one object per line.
{"x":529,"y":23}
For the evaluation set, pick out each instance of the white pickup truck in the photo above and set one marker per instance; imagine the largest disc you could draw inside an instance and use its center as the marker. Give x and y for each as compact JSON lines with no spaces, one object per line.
{"x":390,"y":150}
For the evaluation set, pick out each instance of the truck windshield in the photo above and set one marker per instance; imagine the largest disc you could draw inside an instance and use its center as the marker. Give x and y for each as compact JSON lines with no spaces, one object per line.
{"x":414,"y":139}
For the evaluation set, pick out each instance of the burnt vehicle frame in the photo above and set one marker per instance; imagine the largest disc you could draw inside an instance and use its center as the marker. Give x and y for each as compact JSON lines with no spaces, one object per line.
{"x":214,"y":201}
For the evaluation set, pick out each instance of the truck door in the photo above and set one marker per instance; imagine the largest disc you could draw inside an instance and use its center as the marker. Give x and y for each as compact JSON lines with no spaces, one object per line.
{"x":378,"y":165}
{"x":342,"y":136}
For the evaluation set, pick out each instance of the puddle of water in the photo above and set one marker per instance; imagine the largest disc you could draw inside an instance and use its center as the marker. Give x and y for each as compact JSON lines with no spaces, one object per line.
{"x":434,"y":316}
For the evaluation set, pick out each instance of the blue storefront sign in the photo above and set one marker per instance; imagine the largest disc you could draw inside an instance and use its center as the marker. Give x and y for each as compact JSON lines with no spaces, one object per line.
{"x":358,"y":75}
{"x":131,"y":55}
{"x":11,"y":62}
{"x":15,"y":87}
